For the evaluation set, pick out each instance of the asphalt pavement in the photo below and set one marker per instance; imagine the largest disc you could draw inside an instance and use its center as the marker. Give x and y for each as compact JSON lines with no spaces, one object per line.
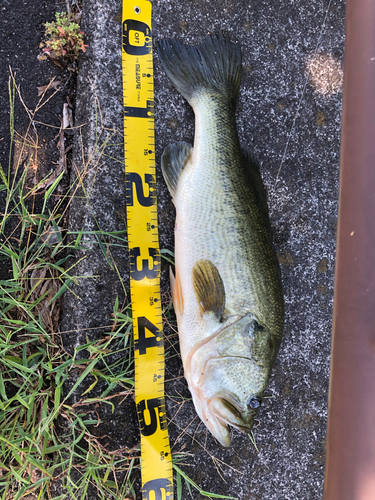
{"x":289,"y":112}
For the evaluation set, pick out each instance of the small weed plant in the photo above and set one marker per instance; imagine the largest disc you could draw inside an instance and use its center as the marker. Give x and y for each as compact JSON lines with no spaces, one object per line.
{"x":64,"y":38}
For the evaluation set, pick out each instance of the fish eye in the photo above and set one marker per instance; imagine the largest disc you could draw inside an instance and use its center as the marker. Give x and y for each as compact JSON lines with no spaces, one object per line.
{"x":253,"y":327}
{"x":257,"y":326}
{"x":254,"y":402}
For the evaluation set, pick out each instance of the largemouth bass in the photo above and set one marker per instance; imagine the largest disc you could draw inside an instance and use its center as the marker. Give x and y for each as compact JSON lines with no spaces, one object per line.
{"x":226,"y":291}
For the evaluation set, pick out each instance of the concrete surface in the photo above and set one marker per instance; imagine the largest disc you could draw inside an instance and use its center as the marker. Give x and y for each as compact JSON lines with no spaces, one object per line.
{"x":97,"y":178}
{"x":294,"y":129}
{"x":295,"y":132}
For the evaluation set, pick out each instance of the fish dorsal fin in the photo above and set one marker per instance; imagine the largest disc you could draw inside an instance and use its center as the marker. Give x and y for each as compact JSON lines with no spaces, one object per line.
{"x":252,"y":167}
{"x":173,"y":160}
{"x":177,"y":297}
{"x":209,"y":287}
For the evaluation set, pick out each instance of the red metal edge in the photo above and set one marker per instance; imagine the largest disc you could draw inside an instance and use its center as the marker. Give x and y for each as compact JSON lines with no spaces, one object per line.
{"x":350,"y":460}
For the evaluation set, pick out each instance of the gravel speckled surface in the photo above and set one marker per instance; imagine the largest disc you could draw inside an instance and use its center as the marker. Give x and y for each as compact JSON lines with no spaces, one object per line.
{"x":295,"y":131}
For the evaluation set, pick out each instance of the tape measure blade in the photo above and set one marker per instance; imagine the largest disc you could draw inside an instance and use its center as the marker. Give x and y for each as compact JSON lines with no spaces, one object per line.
{"x":140,"y":178}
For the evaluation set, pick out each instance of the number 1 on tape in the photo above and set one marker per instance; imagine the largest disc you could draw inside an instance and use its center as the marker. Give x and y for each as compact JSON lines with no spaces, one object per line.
{"x":139,"y":141}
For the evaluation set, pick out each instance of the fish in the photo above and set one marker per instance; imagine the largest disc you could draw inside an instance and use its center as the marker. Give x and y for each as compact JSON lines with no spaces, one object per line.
{"x":226,"y":290}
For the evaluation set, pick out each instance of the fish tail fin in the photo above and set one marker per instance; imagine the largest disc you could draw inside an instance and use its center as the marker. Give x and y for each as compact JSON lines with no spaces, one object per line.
{"x":213,"y":67}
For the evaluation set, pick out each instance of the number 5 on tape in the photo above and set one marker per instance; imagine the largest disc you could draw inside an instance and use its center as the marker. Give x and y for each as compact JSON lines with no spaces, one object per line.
{"x":139,"y":142}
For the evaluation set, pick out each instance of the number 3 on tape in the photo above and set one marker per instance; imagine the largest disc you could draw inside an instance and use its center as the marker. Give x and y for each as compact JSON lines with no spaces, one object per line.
{"x":140,"y":175}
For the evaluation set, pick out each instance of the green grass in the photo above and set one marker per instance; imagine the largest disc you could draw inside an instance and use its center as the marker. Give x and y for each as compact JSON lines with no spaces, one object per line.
{"x":190,"y":483}
{"x":45,"y":439}
{"x":34,"y":453}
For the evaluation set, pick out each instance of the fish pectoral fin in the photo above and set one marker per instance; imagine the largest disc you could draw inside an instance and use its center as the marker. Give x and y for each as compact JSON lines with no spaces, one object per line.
{"x":209,"y":287}
{"x":177,"y":297}
{"x":173,"y":160}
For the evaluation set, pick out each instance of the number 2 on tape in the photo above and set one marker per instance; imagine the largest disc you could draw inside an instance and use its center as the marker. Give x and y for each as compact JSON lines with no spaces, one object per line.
{"x":144,"y":252}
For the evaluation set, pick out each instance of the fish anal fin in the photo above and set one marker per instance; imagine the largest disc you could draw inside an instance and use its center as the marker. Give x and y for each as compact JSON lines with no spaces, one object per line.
{"x":177,"y":297}
{"x":209,"y":287}
{"x":173,"y":160}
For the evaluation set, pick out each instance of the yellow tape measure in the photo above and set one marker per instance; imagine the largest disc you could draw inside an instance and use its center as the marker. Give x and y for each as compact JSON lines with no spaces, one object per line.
{"x":140,"y":178}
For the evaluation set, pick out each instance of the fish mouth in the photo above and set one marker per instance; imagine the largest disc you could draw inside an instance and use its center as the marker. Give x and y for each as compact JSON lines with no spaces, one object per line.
{"x":219,"y":406}
{"x":219,"y":414}
{"x":231,"y":413}
{"x":216,"y":404}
